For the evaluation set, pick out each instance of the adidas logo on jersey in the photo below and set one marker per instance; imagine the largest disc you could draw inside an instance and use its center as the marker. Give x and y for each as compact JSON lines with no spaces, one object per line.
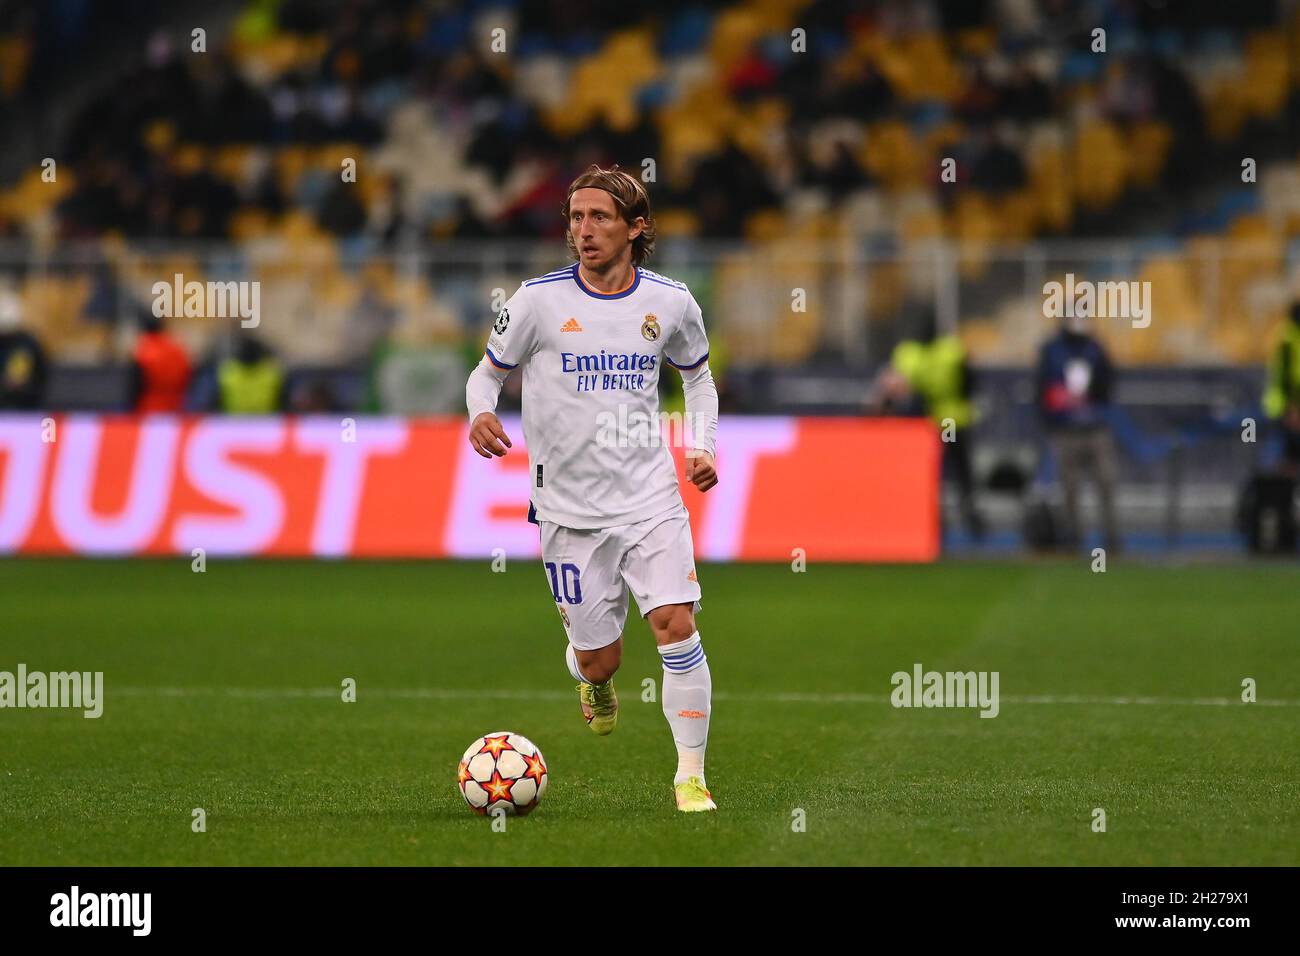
{"x":571,"y":326}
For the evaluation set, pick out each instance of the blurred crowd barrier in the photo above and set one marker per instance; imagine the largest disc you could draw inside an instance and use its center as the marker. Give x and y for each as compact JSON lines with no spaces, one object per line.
{"x":1211,"y":301}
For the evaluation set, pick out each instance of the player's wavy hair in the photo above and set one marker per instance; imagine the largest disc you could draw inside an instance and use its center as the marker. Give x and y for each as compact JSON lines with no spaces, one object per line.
{"x":631,"y":199}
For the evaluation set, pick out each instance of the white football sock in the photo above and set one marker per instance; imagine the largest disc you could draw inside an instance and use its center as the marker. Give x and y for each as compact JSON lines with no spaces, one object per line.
{"x":687,"y":698}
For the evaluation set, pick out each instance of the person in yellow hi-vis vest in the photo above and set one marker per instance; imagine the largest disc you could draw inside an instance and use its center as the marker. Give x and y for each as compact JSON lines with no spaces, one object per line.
{"x":1282,"y":392}
{"x":934,"y":369}
{"x":250,"y":382}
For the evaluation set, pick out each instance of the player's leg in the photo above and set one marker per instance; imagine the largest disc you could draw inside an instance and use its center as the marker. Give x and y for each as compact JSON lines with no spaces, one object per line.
{"x":660,"y":569}
{"x":1104,"y":470}
{"x":1065,"y":445}
{"x":595,"y":666}
{"x":687,"y":699}
{"x":957,"y":455}
{"x":582,"y":571}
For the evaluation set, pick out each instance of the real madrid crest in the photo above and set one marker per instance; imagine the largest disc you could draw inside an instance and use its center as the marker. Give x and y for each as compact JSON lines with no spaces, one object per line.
{"x":650,"y":328}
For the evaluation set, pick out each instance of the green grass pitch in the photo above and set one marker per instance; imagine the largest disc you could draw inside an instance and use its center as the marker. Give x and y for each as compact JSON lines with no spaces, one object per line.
{"x":223,"y":692}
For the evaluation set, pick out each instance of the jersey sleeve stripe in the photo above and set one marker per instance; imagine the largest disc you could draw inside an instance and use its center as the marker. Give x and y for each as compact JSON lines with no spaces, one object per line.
{"x":685,"y":368}
{"x":500,"y":364}
{"x":672,"y":285}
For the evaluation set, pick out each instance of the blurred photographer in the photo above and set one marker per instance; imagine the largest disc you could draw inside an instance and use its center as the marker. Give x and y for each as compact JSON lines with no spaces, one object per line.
{"x":1073,"y":388}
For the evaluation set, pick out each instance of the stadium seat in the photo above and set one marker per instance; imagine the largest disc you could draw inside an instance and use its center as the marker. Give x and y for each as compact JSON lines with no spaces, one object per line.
{"x":1099,"y":164}
{"x":1148,"y":144}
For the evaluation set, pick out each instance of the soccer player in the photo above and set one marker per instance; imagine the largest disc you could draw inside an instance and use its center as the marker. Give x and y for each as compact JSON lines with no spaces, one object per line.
{"x":592,"y":339}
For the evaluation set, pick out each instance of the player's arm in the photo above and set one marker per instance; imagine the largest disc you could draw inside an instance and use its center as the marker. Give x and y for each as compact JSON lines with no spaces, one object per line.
{"x":508,"y":346}
{"x":702,"y":413}
{"x":482,"y":390}
{"x":688,"y":352}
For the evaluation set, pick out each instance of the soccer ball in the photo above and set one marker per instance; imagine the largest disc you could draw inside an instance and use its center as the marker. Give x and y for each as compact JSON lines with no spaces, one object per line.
{"x":502,"y":772}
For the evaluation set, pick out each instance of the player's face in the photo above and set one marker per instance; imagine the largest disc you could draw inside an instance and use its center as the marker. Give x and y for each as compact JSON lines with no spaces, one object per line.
{"x":599,"y":233}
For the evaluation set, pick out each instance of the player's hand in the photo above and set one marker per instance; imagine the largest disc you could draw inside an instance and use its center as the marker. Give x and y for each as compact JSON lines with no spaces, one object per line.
{"x":700,"y":470}
{"x":487,"y":436}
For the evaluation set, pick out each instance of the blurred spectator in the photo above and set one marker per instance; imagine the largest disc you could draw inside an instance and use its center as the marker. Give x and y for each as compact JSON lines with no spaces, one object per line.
{"x":160,"y":370}
{"x":1282,"y":394}
{"x":1074,"y":385}
{"x":731,"y":187}
{"x":935,"y":369}
{"x":1026,"y":98}
{"x":836,"y":170}
{"x":22,"y":360}
{"x":152,"y":141}
{"x":341,"y":212}
{"x":313,"y":397}
{"x":753,"y":76}
{"x":250,"y":382}
{"x":980,"y":100}
{"x":999,"y":168}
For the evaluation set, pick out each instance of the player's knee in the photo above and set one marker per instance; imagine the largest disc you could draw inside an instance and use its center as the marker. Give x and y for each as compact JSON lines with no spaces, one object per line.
{"x":672,"y":623}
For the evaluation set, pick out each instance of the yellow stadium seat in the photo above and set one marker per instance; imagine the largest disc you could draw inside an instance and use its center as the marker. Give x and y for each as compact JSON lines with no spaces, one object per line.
{"x":1226,"y":108}
{"x":1267,"y":71}
{"x":978,"y":42}
{"x":921,"y":225}
{"x":53,"y":307}
{"x":918,"y":67}
{"x":189,"y":159}
{"x":1017,"y":216}
{"x":766,"y":225}
{"x":1148,"y":147}
{"x":159,"y":136}
{"x":1099,"y":164}
{"x":249,"y":223}
{"x":15,"y":57}
{"x":337,"y":290}
{"x":981,"y":338}
{"x":796,"y":336}
{"x":975,"y":225}
{"x":753,"y":128}
{"x":1048,"y":185}
{"x":677,"y":222}
{"x":734,"y":31}
{"x":231,"y":162}
{"x":290,"y":163}
{"x":892,"y":155}
{"x":886,"y":289}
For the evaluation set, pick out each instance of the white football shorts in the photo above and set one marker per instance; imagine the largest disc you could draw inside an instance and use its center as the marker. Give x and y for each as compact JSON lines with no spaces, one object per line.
{"x":589,"y":573}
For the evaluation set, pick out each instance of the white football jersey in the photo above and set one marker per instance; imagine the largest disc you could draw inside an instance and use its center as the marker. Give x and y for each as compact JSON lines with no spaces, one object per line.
{"x":591,"y":362}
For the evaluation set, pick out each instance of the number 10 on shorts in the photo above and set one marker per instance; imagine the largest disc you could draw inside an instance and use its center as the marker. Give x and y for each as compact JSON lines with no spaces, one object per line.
{"x":568,"y":575}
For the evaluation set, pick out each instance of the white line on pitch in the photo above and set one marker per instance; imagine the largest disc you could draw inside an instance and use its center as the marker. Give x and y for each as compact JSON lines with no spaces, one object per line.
{"x":448,"y":693}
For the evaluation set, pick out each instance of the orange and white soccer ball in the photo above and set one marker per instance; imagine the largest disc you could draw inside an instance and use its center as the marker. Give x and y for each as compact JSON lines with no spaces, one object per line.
{"x":502,"y":772}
